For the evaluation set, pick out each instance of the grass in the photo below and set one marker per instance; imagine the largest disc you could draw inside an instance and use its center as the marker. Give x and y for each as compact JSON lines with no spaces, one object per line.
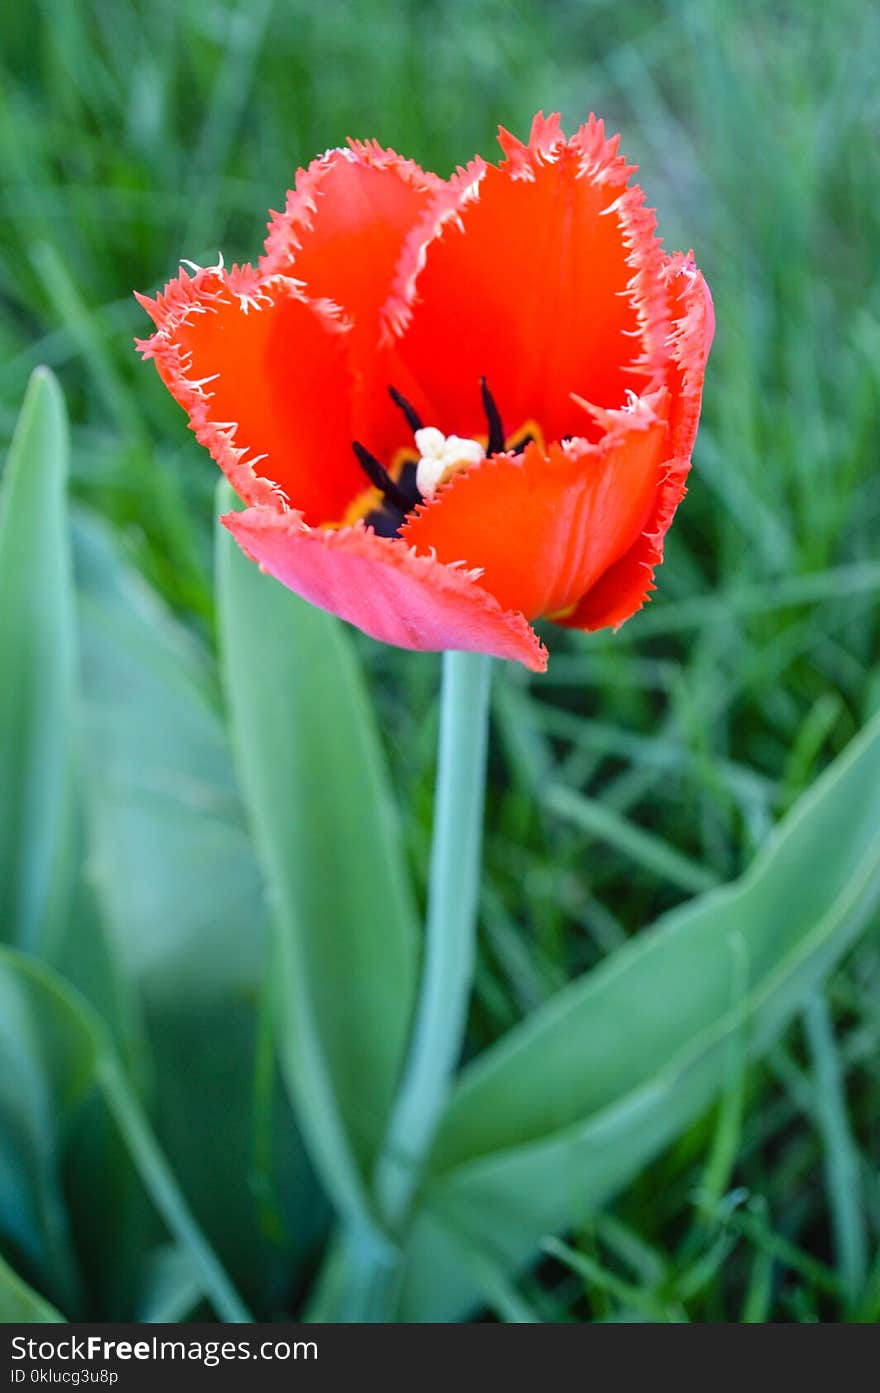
{"x":135,"y":133}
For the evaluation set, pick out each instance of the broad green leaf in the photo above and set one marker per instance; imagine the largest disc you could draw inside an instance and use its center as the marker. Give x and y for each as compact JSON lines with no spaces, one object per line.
{"x":179,"y":887}
{"x":314,"y":779}
{"x":562,"y":1112}
{"x":37,"y":657}
{"x":19,"y":1303}
{"x":54,"y":1053}
{"x":171,"y":860}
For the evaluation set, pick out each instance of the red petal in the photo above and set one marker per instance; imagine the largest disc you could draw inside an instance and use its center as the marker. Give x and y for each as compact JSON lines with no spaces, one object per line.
{"x":382,"y":587}
{"x":692,"y":319}
{"x":544,"y":275}
{"x":626,"y":586}
{"x":344,"y":226}
{"x":262,"y":372}
{"x":544,"y":526}
{"x":341,"y":234}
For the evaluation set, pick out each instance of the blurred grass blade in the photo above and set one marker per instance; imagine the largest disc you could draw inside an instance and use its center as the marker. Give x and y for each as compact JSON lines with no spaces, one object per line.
{"x":842,"y":1179}
{"x":728,"y":1124}
{"x":643,"y":847}
{"x":313,"y":775}
{"x":560,"y":1114}
{"x":54,"y":1034}
{"x":172,"y":1290}
{"x":161,"y":1185}
{"x":20,"y":1304}
{"x":37,"y":655}
{"x":43,"y":1077}
{"x":643,"y":1301}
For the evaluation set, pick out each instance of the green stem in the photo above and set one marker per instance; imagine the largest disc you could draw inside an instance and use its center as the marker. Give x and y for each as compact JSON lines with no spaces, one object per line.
{"x":448,"y":969}
{"x":165,"y":1193}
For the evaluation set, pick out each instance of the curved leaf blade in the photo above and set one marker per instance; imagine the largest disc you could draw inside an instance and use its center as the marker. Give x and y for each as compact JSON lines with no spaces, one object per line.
{"x":176,"y":877}
{"x":45,"y":1072}
{"x":52,"y":1031}
{"x":313,"y":776}
{"x":37,"y":653}
{"x":561,"y":1113}
{"x":20,"y":1304}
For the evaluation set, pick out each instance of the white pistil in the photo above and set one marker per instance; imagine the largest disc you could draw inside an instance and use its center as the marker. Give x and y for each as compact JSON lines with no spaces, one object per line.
{"x":441,"y":456}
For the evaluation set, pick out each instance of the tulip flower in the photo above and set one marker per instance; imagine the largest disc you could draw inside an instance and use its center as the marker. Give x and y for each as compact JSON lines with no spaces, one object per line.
{"x":451,"y":407}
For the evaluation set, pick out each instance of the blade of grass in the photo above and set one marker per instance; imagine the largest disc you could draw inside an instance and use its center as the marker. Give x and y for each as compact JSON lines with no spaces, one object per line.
{"x":164,"y":1191}
{"x":643,"y":847}
{"x":594,"y":1274}
{"x":842,"y":1177}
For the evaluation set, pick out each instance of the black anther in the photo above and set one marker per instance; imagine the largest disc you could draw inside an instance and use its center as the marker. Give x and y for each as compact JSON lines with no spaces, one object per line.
{"x":413,"y":419}
{"x":493,"y":418}
{"x":380,"y":478}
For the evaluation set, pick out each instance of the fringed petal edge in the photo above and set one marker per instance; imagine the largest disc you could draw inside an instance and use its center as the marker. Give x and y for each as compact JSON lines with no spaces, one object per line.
{"x":385,"y":588}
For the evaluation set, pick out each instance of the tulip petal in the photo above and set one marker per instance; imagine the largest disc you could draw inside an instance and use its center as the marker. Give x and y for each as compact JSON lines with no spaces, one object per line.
{"x":384,"y":588}
{"x":262,"y":372}
{"x":692,"y":321}
{"x":344,"y":225}
{"x":544,"y":525}
{"x":625,"y":587}
{"x":341,"y":236}
{"x":543,"y":275}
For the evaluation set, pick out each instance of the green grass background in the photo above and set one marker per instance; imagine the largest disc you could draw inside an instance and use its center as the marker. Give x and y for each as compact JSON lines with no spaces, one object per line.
{"x":132,"y":134}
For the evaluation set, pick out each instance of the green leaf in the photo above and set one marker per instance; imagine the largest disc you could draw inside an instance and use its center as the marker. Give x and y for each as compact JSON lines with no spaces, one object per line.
{"x":179,"y":887}
{"x":171,"y":860}
{"x":37,"y":655}
{"x":45,"y":1073}
{"x":19,"y":1303}
{"x":314,"y":778}
{"x":54,"y":1052}
{"x":561,"y":1113}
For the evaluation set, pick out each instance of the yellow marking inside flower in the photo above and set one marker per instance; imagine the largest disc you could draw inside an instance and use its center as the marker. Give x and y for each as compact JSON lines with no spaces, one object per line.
{"x":371,"y":498}
{"x":559,"y":614}
{"x":529,"y":430}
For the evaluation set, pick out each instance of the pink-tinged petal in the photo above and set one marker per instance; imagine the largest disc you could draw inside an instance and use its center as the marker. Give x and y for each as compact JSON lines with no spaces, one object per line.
{"x":264,"y":375}
{"x":544,"y":275}
{"x":381,"y":586}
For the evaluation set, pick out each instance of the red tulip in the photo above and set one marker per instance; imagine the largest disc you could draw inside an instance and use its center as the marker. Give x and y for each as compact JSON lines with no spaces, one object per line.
{"x":451,"y":407}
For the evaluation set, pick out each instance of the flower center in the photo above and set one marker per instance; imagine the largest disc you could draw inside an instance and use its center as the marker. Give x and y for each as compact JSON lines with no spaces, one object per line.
{"x":441,"y":456}
{"x":435,"y":459}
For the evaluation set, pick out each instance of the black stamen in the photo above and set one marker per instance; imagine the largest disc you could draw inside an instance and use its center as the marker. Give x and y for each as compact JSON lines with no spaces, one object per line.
{"x":413,"y":419}
{"x":385,"y":522}
{"x":493,"y":418}
{"x":406,"y":482}
{"x":524,"y":440}
{"x":380,"y":478}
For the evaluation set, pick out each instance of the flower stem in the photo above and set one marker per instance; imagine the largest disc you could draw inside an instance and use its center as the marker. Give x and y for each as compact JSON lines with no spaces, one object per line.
{"x":448,"y":967}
